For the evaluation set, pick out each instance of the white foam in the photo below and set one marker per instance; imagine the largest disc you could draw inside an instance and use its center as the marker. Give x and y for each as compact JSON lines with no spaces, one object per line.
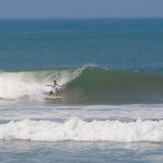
{"x":15,"y":85}
{"x":79,"y":130}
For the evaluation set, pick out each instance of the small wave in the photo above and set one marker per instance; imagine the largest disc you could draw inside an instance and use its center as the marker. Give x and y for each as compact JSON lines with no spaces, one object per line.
{"x":79,"y":130}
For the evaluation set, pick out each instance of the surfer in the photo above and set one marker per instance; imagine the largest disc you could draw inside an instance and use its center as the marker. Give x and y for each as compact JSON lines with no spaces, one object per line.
{"x":55,"y":88}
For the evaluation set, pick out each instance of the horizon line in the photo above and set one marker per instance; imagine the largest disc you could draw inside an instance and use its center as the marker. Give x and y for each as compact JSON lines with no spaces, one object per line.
{"x":75,"y":18}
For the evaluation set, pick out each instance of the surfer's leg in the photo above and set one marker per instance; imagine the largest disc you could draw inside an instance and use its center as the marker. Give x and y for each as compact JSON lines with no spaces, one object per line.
{"x":56,"y":93}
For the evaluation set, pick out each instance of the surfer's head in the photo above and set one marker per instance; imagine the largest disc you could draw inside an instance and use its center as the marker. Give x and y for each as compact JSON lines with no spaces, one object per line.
{"x":55,"y":81}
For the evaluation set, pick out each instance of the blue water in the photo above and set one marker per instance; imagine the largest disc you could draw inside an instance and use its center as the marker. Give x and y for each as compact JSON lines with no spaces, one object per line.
{"x":115,"y":44}
{"x":111,"y":109}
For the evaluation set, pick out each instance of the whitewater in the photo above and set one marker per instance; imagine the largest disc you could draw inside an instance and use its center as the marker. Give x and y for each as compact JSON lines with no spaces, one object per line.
{"x":98,"y":123}
{"x":78,"y":130}
{"x":32,"y":83}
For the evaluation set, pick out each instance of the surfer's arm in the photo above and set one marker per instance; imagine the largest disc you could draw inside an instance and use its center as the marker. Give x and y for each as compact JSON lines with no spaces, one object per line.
{"x":48,"y":85}
{"x":62,"y":86}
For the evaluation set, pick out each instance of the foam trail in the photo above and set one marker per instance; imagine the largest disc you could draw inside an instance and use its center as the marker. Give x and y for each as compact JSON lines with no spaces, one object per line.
{"x":79,"y":130}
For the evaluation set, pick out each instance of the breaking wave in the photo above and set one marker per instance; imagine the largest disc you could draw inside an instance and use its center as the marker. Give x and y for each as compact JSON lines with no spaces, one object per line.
{"x":88,"y":84}
{"x":79,"y":130}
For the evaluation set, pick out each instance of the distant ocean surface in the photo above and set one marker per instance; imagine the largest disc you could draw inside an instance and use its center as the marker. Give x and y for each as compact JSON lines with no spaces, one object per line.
{"x":111,"y":109}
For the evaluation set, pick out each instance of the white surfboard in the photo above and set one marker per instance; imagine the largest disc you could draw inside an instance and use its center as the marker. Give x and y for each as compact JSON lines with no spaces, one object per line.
{"x":52,"y":96}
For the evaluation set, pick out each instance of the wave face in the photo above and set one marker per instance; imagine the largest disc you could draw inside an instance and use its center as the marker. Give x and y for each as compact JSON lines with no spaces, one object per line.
{"x":83,"y":85}
{"x":106,"y":86}
{"x":79,"y":130}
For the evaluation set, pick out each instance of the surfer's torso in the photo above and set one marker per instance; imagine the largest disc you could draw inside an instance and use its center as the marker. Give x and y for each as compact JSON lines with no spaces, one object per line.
{"x":55,"y":88}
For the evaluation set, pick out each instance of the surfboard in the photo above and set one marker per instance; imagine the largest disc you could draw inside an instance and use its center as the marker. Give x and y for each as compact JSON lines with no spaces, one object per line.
{"x":52,"y":96}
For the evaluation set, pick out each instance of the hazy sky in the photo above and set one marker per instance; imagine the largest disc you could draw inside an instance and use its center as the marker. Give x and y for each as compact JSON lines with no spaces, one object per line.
{"x":80,"y":8}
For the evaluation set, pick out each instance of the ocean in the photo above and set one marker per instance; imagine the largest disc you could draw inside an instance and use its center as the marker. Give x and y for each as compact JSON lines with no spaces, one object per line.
{"x":111,"y":106}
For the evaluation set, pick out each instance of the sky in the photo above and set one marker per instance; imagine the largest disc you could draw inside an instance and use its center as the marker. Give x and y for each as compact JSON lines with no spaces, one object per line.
{"x":81,"y":8}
